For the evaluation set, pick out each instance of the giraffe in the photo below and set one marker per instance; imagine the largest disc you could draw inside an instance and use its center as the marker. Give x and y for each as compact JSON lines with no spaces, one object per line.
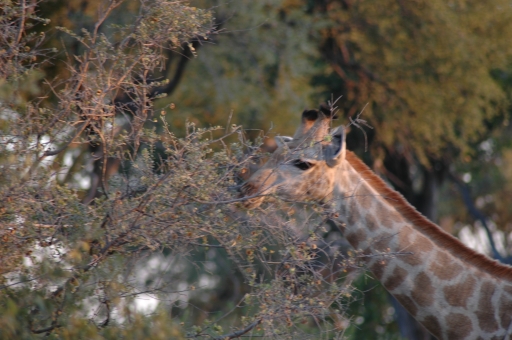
{"x":454,"y":292}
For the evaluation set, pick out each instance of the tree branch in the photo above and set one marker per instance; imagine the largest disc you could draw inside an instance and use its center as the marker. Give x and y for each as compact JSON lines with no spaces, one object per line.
{"x":22,"y":22}
{"x":240,"y":332}
{"x":65,"y":146}
{"x":477,"y":214}
{"x":45,"y":330}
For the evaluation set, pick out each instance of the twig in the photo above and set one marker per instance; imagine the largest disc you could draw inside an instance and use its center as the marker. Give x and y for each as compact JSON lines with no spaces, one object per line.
{"x":331,"y":104}
{"x":225,"y":315}
{"x":45,"y":330}
{"x":229,"y":121}
{"x":207,"y":245}
{"x":22,"y":22}
{"x":356,"y":122}
{"x":100,"y":21}
{"x":64,"y":147}
{"x":101,"y":255}
{"x":398,"y":253}
{"x":239,"y":333}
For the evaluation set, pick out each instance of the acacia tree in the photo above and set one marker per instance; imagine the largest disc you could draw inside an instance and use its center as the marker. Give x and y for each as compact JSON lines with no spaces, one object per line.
{"x":166,"y":224}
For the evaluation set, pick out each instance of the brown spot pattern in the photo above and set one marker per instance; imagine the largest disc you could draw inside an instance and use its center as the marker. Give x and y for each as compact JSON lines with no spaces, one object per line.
{"x":407,"y":302}
{"x":397,"y":277}
{"x":397,"y":203}
{"x":459,"y":326}
{"x":382,"y":242}
{"x":486,"y":292}
{"x":371,"y":222}
{"x":352,"y":239}
{"x":485,"y":313}
{"x":353,"y":213}
{"x":404,"y":238}
{"x":457,"y":295}
{"x":508,"y":289}
{"x":422,"y":244}
{"x":365,"y":197}
{"x":378,"y":269}
{"x":388,"y":217}
{"x":405,"y":244}
{"x":423,"y":291}
{"x":355,"y":238}
{"x":388,"y":214}
{"x":431,"y":323}
{"x":505,"y":311}
{"x":444,"y":267}
{"x":413,"y":259}
{"x":418,"y":247}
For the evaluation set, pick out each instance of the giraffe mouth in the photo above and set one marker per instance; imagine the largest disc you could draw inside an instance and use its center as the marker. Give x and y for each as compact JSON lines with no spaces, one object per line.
{"x":252,"y":203}
{"x":252,"y":194}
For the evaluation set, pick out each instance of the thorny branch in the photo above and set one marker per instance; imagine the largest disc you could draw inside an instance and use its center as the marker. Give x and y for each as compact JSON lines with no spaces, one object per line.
{"x":358,"y":122}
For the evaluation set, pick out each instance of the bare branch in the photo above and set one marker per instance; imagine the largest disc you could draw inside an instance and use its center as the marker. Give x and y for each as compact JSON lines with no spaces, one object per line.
{"x":21,"y":26}
{"x":65,"y":146}
{"x":357,"y":121}
{"x":240,"y":332}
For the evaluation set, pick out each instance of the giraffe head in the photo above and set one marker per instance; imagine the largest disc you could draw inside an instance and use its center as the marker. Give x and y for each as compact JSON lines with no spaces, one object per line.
{"x":302,"y":167}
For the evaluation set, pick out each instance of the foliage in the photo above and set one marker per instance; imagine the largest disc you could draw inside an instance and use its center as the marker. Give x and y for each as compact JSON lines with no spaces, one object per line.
{"x":258,"y":67}
{"x":166,"y":225}
{"x":426,"y":69}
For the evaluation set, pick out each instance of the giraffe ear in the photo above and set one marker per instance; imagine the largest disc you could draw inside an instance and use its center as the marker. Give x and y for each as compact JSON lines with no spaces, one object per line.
{"x":309,"y":116}
{"x":282,"y":140}
{"x":334,"y":153}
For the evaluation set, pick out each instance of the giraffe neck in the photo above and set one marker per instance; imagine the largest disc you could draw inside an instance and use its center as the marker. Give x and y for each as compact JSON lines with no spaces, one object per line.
{"x":453,"y":291}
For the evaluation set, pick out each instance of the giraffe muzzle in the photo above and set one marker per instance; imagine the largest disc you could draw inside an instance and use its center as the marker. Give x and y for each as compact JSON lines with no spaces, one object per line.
{"x":252,"y":193}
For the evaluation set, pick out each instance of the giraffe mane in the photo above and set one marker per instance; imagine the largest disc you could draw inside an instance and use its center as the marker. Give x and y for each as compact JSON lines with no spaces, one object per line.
{"x":426,"y":227}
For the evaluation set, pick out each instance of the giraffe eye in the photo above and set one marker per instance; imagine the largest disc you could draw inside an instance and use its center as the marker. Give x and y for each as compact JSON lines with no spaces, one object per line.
{"x":302,"y":165}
